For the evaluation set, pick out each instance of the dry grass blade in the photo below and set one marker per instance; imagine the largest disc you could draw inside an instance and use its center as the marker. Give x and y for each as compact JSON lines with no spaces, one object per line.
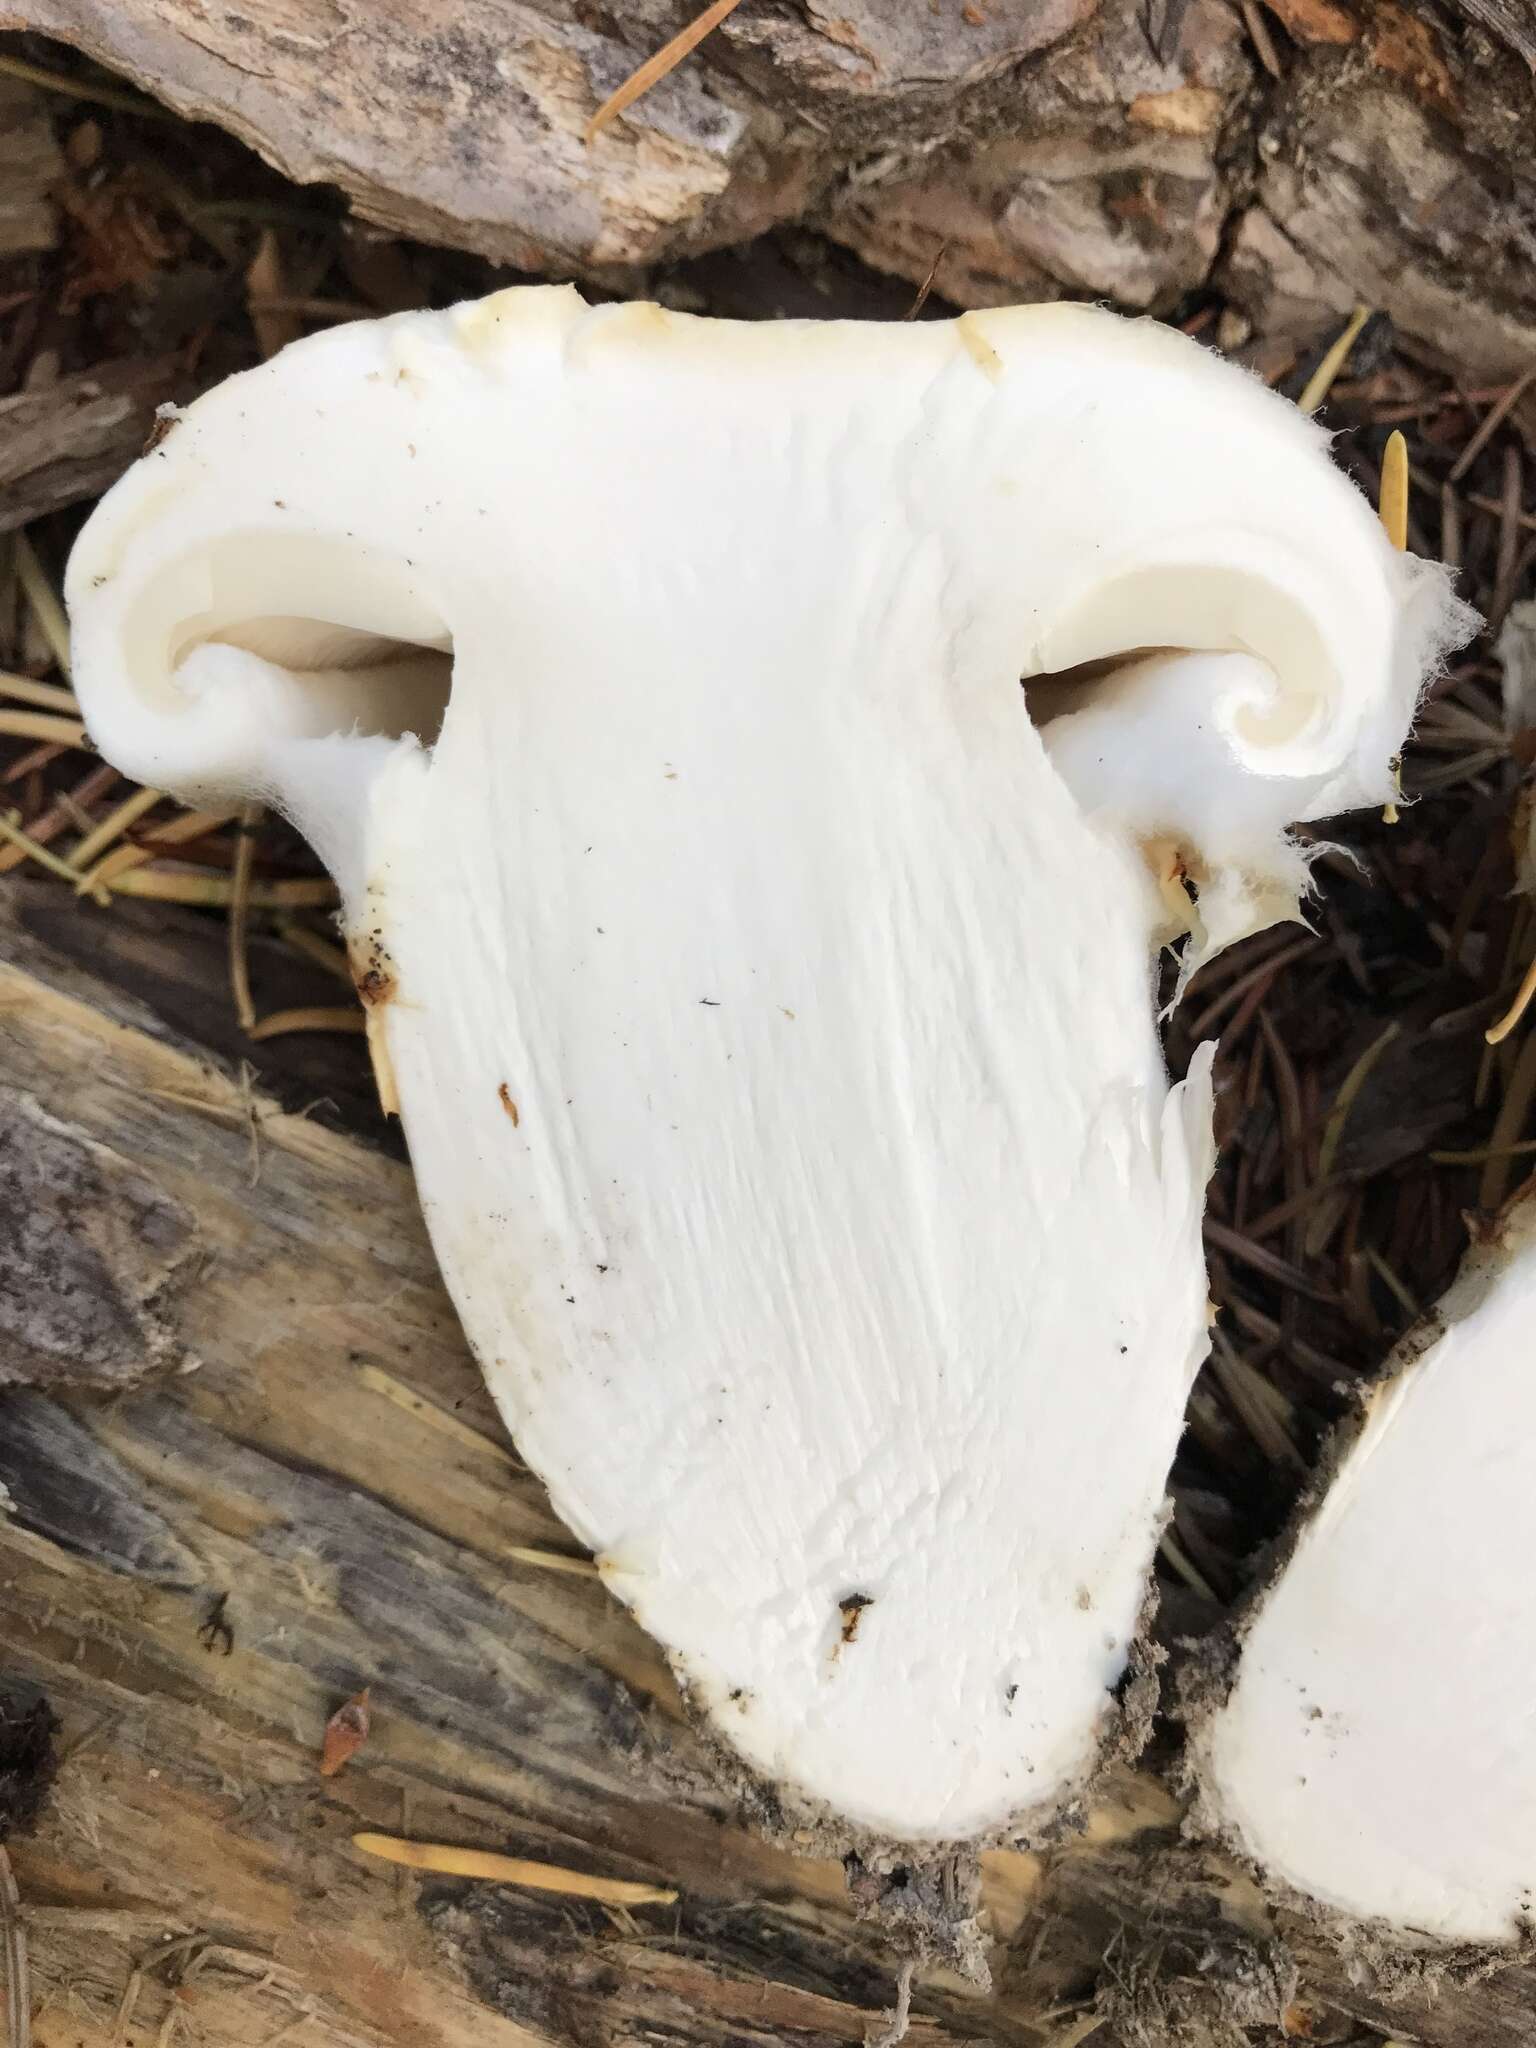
{"x":190,"y":825}
{"x":324,"y":952}
{"x":13,"y":1950}
{"x":447,"y":1861}
{"x":1323,"y":378}
{"x":654,"y":69}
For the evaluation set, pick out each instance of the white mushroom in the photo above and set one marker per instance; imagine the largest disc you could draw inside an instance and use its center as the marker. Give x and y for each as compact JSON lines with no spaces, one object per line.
{"x":1376,"y":1749}
{"x":770,"y":1003}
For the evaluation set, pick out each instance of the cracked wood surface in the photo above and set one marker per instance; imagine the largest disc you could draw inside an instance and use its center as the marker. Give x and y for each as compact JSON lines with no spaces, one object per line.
{"x":308,"y":1493}
{"x":1127,"y":149}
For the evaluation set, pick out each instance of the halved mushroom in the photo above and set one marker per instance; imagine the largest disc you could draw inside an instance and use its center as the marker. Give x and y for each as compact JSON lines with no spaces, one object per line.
{"x":770,"y":1003}
{"x":1375,"y":1752}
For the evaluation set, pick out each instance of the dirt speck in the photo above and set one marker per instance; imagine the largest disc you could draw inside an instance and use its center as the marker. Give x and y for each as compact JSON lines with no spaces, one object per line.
{"x":373,"y":971}
{"x":504,"y":1095}
{"x":851,"y":1607}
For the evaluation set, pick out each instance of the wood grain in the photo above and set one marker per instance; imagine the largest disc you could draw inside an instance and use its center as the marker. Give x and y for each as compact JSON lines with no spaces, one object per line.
{"x":311,"y":1494}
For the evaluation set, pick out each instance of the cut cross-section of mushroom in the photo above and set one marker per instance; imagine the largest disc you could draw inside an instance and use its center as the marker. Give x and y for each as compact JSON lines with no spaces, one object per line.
{"x":1375,"y":1752}
{"x":769,"y":1000}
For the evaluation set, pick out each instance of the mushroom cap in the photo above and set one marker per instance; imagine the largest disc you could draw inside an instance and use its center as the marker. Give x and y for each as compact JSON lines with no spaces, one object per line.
{"x":769,"y":1001}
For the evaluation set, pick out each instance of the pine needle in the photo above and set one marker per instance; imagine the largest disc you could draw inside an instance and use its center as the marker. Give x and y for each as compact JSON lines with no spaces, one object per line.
{"x":44,"y":600}
{"x":1321,"y":381}
{"x":43,"y":855}
{"x":318,"y":1018}
{"x":1394,"y":489}
{"x":239,"y":914}
{"x":545,"y":1877}
{"x":1497,"y":1033}
{"x":656,"y":68}
{"x":13,"y":1953}
{"x":43,"y":725}
{"x":49,"y":696}
{"x":114,"y":825}
{"x":216,"y":892}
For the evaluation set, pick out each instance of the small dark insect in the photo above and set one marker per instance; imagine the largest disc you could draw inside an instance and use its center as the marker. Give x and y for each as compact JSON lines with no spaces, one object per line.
{"x":214,"y":1632}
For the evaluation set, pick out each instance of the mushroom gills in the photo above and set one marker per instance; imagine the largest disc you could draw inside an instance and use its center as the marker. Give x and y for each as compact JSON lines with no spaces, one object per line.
{"x":842,"y":1257}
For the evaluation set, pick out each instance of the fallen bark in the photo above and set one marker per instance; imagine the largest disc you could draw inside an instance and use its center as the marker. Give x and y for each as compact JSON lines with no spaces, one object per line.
{"x":72,"y":439}
{"x":196,"y":1575}
{"x":1298,"y":157}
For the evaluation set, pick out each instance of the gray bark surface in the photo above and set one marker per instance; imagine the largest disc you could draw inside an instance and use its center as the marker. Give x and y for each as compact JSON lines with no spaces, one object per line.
{"x":1034,"y":147}
{"x":298,"y":1488}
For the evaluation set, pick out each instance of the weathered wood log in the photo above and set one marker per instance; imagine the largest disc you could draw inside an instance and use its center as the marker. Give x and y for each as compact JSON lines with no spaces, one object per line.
{"x":308,"y":1493}
{"x":1298,"y":156}
{"x":72,"y":438}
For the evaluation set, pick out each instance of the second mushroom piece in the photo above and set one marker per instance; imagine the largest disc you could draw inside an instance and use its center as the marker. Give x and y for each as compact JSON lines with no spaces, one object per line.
{"x":766,"y":977}
{"x":1375,"y":1750}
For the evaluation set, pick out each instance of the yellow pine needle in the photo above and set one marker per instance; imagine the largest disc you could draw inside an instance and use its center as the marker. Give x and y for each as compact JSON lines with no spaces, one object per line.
{"x":190,"y":825}
{"x":216,"y":892}
{"x":552,"y":1561}
{"x":1394,"y":489}
{"x":316,"y":1019}
{"x":49,"y":696}
{"x":1497,"y":1033}
{"x":113,"y":826}
{"x":446,"y":1861}
{"x":42,"y":725}
{"x":654,"y":69}
{"x":34,"y":850}
{"x":1321,"y":381}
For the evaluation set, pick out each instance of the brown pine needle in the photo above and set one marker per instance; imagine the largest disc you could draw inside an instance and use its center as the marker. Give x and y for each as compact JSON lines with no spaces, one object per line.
{"x":926,"y":286}
{"x":239,"y":914}
{"x":446,"y":1861}
{"x":48,"y":696}
{"x":1497,"y":1033}
{"x":654,"y":69}
{"x":1349,"y":1088}
{"x":1321,"y":381}
{"x":324,"y":952}
{"x":44,"y":601}
{"x":280,"y":1022}
{"x":1394,"y":489}
{"x":1490,"y":426}
{"x":114,"y":825}
{"x":190,"y":825}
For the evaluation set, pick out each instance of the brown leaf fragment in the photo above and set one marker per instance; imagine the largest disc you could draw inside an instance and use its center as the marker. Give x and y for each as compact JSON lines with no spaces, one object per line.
{"x":345,"y":1733}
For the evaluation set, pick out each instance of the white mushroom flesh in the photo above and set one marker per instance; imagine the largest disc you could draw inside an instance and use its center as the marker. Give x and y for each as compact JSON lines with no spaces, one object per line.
{"x":770,"y":1002}
{"x":1376,"y":1749}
